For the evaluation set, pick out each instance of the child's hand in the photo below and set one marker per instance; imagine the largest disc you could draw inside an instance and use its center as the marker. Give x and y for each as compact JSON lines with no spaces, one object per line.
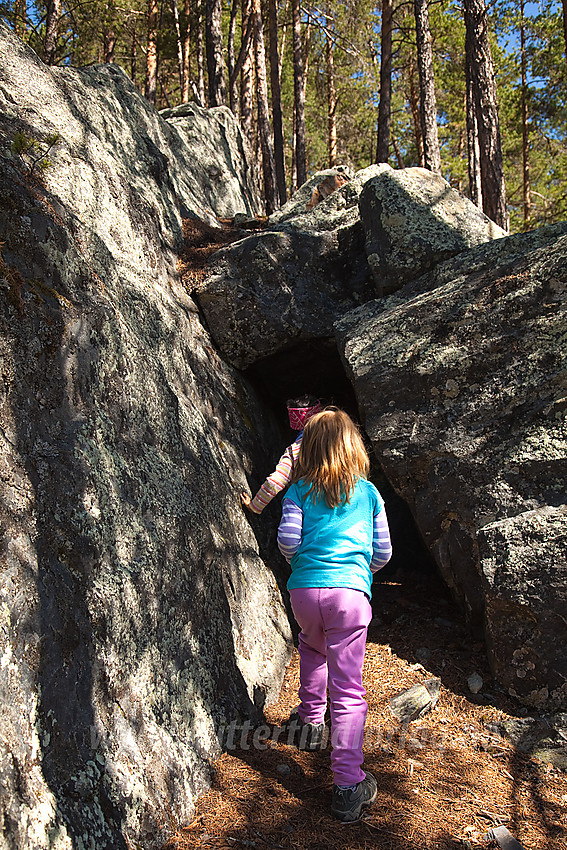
{"x":245,"y":499}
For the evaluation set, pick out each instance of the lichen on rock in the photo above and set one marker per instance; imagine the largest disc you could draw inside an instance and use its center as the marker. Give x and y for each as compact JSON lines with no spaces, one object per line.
{"x":460,"y":378}
{"x":413,"y":219}
{"x":143,"y":613}
{"x":290,"y":281}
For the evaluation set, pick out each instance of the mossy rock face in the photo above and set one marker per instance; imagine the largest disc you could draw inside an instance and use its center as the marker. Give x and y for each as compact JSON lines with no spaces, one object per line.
{"x":140,"y":609}
{"x":461,"y":379}
{"x":413,"y":220}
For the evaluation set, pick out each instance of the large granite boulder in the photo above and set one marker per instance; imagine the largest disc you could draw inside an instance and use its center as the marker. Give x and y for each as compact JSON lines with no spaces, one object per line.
{"x":212,"y":160}
{"x":138,"y":615}
{"x":198,"y":160}
{"x":524,"y":571}
{"x":413,"y":219}
{"x":326,"y":251}
{"x":303,"y":199}
{"x":291,"y":281}
{"x":461,"y":379}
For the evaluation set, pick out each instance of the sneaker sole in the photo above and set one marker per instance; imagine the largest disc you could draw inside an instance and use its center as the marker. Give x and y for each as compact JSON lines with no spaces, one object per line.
{"x":352,"y":817}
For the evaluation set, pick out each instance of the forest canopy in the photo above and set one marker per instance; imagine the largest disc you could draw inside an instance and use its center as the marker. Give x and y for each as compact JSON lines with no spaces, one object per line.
{"x":475,"y":91}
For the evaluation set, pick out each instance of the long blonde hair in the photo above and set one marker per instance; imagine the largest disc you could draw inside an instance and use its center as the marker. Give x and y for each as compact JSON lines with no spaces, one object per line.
{"x":332,"y":457}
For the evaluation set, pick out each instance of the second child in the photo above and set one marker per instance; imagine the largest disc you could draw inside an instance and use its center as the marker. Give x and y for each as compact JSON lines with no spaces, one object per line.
{"x":299,"y":411}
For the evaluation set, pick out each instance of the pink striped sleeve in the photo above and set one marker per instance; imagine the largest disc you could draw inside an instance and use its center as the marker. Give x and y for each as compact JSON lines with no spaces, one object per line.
{"x":278,"y":480}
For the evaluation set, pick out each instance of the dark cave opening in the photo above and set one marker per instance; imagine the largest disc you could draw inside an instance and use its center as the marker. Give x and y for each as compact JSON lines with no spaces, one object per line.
{"x":315,"y":367}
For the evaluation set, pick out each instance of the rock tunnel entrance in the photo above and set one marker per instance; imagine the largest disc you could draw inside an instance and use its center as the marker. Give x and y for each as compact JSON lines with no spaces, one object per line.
{"x":315,"y":367}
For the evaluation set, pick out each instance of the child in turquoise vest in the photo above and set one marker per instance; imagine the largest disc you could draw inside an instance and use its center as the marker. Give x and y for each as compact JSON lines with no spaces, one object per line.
{"x":334,"y":533}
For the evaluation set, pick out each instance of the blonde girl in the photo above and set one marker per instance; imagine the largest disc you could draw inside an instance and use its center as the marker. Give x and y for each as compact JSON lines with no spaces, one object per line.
{"x":334,"y":533}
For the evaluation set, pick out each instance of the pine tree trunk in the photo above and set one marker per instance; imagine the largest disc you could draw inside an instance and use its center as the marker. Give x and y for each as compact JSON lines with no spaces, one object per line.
{"x":268,"y":166}
{"x":415,"y":113}
{"x":186,"y":53}
{"x":277,"y":102}
{"x":461,"y":154}
{"x":306,"y":46}
{"x":525,"y":130}
{"x":109,"y":45}
{"x":473,"y":147}
{"x":284,"y":33}
{"x":109,"y":32}
{"x":299,"y":96}
{"x":19,"y":17}
{"x":331,"y":100}
{"x":427,"y":100}
{"x":51,"y":31}
{"x":217,"y":90}
{"x":477,"y":48}
{"x":245,"y":41}
{"x":164,"y":93}
{"x":199,"y":40}
{"x":293,"y":187}
{"x":247,"y":79}
{"x":150,"y":90}
{"x":179,"y":42}
{"x":397,"y":151}
{"x":232,"y":77}
{"x":134,"y":54}
{"x":385,"y":105}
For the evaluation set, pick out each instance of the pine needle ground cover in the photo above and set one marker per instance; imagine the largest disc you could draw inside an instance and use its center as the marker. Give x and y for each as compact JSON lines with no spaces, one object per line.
{"x":443,"y":781}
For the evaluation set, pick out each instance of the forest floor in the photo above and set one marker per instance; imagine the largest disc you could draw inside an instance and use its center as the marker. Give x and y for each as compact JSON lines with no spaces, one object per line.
{"x":442,"y":783}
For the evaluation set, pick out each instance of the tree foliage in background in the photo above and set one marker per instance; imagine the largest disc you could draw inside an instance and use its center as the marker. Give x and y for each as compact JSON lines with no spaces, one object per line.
{"x":316,"y":98}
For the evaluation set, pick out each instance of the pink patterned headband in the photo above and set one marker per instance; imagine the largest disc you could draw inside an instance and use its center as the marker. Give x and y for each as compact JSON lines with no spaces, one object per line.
{"x":298,"y":416}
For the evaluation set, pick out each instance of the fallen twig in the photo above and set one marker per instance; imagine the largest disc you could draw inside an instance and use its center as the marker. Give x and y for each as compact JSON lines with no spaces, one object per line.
{"x":269,"y":843}
{"x":312,"y":788}
{"x":387,"y":832}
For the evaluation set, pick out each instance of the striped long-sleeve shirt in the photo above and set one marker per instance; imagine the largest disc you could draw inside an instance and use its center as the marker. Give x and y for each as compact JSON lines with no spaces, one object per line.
{"x":279,"y":479}
{"x":291,"y":525}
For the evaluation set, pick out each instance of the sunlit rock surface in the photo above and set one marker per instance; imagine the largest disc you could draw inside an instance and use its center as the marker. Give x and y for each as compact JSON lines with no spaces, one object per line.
{"x":461,"y":379}
{"x":138,"y":614}
{"x":213,"y":162}
{"x":318,"y":257}
{"x":291,"y":281}
{"x":413,"y":219}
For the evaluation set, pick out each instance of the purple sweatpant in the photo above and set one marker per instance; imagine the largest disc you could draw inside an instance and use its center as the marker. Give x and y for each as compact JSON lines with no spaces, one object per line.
{"x":334,"y":622}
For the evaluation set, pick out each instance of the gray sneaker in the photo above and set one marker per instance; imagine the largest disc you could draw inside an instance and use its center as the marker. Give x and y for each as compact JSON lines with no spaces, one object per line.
{"x":305,"y":736}
{"x":347,"y":805}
